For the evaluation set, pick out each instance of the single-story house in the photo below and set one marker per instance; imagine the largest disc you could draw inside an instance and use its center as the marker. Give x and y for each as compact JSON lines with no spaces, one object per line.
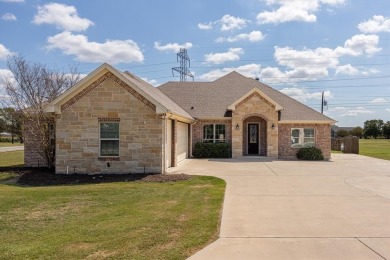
{"x":115,"y":122}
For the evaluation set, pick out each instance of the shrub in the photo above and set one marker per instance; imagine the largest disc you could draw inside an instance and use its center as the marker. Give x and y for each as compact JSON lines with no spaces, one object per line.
{"x":212,"y":150}
{"x":310,"y":153}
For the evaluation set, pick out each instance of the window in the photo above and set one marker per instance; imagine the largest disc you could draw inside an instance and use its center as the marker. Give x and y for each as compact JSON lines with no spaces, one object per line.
{"x":109,"y":139}
{"x":214,"y":133}
{"x":302,"y":137}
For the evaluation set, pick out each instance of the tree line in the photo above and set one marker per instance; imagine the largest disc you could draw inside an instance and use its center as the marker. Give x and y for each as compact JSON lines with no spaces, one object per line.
{"x":374,"y":128}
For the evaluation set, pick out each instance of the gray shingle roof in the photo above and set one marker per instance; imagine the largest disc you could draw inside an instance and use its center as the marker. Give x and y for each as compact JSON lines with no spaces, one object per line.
{"x":211,"y":99}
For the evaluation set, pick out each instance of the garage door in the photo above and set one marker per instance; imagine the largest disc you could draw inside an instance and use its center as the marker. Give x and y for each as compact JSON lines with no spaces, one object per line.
{"x":182,"y":141}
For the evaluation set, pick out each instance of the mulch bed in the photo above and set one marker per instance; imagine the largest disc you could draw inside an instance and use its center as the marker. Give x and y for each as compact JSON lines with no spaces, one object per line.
{"x":44,"y":177}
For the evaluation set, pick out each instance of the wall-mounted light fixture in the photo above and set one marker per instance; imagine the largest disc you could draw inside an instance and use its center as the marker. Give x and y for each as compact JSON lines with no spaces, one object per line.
{"x":237,"y":127}
{"x":273,"y":126}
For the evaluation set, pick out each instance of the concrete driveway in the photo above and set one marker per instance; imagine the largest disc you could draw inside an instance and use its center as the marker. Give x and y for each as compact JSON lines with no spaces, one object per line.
{"x":11,"y":149}
{"x":275,"y":209}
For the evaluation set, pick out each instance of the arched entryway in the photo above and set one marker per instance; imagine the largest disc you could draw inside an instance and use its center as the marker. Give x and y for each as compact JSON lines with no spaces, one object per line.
{"x":254,"y":136}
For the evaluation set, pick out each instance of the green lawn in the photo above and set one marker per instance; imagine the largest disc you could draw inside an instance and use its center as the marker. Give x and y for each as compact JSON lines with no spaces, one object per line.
{"x":6,"y":144}
{"x":4,"y":176}
{"x":15,"y":158}
{"x":124,"y":220}
{"x":378,"y":148}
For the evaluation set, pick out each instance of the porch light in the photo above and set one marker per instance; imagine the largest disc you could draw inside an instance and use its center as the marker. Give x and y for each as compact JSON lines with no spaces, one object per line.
{"x":273,"y":126}
{"x":237,"y":127}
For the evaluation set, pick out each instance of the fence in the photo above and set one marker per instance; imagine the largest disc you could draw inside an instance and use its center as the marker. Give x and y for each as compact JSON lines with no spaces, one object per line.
{"x":349,"y":144}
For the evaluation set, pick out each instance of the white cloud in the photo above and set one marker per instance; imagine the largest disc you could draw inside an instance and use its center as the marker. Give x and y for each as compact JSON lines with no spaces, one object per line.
{"x":62,"y":16}
{"x":320,"y":57}
{"x":8,"y":17}
{"x":230,"y":23}
{"x":226,"y":23}
{"x":249,"y":70}
{"x":349,"y":111}
{"x":152,"y":82}
{"x":233,"y":54}
{"x":388,"y":110}
{"x":311,"y":64}
{"x":369,"y":71}
{"x":5,"y":76}
{"x":205,"y":26}
{"x":347,"y":70}
{"x":254,"y":36}
{"x":294,"y":10}
{"x":379,"y":100}
{"x":359,"y":44}
{"x":4,"y":52}
{"x":172,"y":47}
{"x":111,"y":51}
{"x":378,"y":23}
{"x":303,"y":95}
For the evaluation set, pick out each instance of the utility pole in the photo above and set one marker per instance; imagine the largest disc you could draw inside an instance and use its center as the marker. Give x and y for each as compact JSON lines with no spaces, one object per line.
{"x":184,"y":72}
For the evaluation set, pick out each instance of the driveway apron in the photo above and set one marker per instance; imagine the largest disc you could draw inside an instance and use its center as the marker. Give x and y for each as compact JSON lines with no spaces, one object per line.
{"x":277,"y":209}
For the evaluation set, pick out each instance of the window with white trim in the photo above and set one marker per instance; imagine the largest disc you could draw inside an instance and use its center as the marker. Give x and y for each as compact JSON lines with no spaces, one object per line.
{"x":109,"y":138}
{"x":302,"y":137}
{"x":214,"y":133}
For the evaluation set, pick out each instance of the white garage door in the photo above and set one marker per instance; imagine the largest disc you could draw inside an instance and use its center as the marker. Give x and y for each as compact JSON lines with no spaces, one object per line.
{"x":182,"y":141}
{"x":168,"y":147}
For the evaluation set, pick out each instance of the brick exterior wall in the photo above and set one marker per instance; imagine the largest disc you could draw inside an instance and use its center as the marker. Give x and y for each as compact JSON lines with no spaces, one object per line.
{"x":254,"y":106}
{"x":109,"y":99}
{"x":197,"y":130}
{"x":322,"y":139}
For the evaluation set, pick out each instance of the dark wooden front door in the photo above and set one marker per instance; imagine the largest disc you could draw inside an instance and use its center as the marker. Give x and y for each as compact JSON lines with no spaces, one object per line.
{"x":253,"y":139}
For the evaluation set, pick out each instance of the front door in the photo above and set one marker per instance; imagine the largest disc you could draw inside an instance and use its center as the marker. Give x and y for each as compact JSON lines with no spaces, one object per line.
{"x":253,"y":139}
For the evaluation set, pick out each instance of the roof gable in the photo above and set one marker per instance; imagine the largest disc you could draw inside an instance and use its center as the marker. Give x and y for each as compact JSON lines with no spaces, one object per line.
{"x":251,"y":92}
{"x":162,"y":103}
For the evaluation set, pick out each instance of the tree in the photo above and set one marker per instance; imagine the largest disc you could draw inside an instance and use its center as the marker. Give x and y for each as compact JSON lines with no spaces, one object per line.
{"x":386,"y":130}
{"x":357,"y":131}
{"x":373,"y":128}
{"x":35,"y":85}
{"x":342,"y":133}
{"x":12,"y":122}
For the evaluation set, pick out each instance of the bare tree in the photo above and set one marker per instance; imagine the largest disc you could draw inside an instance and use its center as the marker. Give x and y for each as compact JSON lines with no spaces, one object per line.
{"x":35,"y":85}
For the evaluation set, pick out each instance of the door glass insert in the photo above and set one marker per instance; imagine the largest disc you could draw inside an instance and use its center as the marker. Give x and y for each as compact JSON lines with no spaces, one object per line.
{"x":252,"y":134}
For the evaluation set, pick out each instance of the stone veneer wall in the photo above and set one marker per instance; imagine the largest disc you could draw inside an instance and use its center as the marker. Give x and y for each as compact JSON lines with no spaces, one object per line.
{"x":254,"y":105}
{"x":322,"y":139}
{"x":32,"y":156}
{"x":197,"y":130}
{"x":109,"y":99}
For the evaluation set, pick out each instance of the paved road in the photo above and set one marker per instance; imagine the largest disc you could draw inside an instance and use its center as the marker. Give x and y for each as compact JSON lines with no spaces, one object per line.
{"x":276,"y":209}
{"x":11,"y":148}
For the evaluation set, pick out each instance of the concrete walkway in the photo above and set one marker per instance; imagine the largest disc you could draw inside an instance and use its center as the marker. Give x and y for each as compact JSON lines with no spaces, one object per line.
{"x":275,"y":209}
{"x":11,"y":149}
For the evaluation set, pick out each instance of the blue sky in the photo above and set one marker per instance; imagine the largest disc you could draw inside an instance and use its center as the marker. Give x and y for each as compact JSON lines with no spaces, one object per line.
{"x":300,"y":47}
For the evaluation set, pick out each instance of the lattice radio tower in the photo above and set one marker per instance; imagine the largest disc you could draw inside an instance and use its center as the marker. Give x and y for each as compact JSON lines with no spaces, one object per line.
{"x":183,"y":70}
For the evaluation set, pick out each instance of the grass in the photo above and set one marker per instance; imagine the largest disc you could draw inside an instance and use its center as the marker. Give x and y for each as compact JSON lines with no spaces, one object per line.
{"x":4,"y":176}
{"x":124,"y":220}
{"x":377,"y":148}
{"x":9,"y":144}
{"x":15,"y":158}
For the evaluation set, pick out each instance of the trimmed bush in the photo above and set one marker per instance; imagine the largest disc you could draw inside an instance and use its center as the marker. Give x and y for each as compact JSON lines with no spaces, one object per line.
{"x":212,"y":150}
{"x":310,"y":153}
